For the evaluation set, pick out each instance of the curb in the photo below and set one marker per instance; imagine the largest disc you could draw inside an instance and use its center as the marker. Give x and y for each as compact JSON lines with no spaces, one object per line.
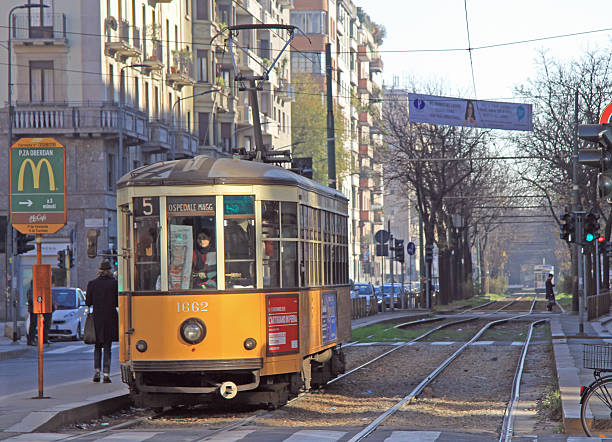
{"x":68,"y":414}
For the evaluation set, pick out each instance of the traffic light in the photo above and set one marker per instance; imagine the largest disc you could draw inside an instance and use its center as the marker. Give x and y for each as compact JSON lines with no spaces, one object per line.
{"x":429,"y":252}
{"x":61,"y":259}
{"x":92,"y":243}
{"x":114,"y":258}
{"x":399,"y":250}
{"x":600,"y":159}
{"x":69,"y":258}
{"x":591,"y":226}
{"x":568,"y":228}
{"x":22,"y":243}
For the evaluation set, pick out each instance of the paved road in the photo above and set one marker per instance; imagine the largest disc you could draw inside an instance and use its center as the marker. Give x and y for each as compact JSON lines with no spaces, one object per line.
{"x":63,"y":362}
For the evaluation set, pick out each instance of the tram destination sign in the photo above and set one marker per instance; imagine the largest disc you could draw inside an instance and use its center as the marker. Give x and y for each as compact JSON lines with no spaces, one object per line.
{"x":38,"y":190}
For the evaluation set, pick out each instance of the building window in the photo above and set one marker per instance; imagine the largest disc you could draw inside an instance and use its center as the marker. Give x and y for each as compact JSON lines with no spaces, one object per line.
{"x":136,"y":94}
{"x":202,"y":12}
{"x":203,"y":119}
{"x":310,"y":22}
{"x":226,"y":136}
{"x":310,"y":63}
{"x":111,"y":83}
{"x":110,"y":168}
{"x":202,"y":58}
{"x":41,"y":19}
{"x":41,"y":81}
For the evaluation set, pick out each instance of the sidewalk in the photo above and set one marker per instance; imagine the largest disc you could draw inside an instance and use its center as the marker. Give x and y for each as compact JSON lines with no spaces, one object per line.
{"x":82,"y":399}
{"x":568,"y":352}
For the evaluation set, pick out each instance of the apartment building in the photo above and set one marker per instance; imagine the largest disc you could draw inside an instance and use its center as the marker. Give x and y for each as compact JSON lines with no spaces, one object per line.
{"x":224,"y":117}
{"x":108,"y":79}
{"x":357,"y":89}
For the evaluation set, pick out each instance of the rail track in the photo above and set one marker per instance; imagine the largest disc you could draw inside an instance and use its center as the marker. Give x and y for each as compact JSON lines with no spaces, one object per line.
{"x":252,"y":417}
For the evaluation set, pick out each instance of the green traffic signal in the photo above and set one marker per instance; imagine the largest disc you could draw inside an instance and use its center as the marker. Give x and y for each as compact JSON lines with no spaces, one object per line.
{"x":589,"y":237}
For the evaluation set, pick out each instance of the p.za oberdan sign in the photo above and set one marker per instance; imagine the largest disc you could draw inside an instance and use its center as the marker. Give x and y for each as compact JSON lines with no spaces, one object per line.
{"x":470,"y":113}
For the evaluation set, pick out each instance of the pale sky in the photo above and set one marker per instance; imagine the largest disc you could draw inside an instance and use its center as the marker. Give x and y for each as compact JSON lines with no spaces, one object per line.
{"x":441,"y":24}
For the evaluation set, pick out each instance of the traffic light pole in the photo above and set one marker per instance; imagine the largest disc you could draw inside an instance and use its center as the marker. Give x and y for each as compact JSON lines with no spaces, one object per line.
{"x":581,"y":273}
{"x":577,"y":208}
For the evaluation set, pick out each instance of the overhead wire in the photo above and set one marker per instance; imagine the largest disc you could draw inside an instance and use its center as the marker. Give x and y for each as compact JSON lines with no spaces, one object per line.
{"x":467,"y":26}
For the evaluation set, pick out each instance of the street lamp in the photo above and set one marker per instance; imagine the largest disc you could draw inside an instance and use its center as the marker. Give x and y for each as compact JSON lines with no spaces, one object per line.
{"x":121,"y":98}
{"x":210,"y":91}
{"x":9,"y":228}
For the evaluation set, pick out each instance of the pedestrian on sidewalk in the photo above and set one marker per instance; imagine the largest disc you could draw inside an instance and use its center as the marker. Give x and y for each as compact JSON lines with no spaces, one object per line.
{"x":550,"y":295}
{"x":102,"y":294}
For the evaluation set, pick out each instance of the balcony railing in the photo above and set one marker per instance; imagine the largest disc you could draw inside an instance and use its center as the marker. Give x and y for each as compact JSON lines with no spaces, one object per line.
{"x":364,"y":86}
{"x":181,"y":71}
{"x":48,"y":26}
{"x":363,"y":52}
{"x":376,"y":65}
{"x":185,"y":144}
{"x":365,"y":118}
{"x":118,"y":41}
{"x":70,"y":118}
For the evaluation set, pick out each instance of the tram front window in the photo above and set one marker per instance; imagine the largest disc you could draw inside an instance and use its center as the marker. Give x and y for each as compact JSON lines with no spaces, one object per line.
{"x":239,"y":232}
{"x":192,"y":251}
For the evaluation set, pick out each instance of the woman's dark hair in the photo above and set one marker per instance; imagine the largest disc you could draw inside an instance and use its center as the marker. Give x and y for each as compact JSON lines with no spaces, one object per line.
{"x":204,"y":234}
{"x":469,"y":113}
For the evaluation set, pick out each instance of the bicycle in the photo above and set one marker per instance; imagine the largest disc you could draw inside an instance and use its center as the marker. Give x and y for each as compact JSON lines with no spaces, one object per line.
{"x":596,"y":398}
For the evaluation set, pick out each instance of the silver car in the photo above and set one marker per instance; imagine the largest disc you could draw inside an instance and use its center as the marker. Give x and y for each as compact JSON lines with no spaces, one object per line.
{"x":70,"y":311}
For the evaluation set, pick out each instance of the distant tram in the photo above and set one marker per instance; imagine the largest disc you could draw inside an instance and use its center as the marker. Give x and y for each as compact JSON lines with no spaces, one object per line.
{"x":540,"y":273}
{"x":233,"y":281}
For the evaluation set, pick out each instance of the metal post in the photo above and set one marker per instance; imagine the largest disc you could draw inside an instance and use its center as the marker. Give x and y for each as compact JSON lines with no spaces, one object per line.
{"x":596,"y":278}
{"x":581,"y":287}
{"x":577,"y":208}
{"x":410,"y":280}
{"x":259,"y":146}
{"x":40,"y":317}
{"x":427,"y":296}
{"x":9,"y":227}
{"x":382,"y":282}
{"x":331,"y":140}
{"x":121,"y":93}
{"x":584,"y":298}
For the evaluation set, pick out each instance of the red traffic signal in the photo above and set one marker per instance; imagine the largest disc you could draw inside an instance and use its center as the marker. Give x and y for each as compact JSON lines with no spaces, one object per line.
{"x":601,"y":239}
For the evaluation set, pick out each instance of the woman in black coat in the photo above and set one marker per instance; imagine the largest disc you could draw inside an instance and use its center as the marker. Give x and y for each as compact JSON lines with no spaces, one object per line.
{"x":102,"y":294}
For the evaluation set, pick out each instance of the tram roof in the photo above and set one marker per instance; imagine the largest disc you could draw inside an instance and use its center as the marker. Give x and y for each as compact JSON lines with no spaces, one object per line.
{"x":209,"y":170}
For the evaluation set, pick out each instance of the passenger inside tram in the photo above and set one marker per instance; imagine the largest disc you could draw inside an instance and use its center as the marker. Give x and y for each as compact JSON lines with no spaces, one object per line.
{"x":204,"y":270}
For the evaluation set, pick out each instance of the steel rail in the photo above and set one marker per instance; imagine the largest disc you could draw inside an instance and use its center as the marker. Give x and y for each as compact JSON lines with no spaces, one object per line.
{"x":507,"y":425}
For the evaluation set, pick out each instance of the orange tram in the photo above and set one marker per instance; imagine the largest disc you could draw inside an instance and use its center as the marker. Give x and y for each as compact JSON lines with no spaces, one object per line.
{"x":233,"y":282}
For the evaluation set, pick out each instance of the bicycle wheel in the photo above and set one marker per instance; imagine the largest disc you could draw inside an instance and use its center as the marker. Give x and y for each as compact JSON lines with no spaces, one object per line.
{"x":596,"y":409}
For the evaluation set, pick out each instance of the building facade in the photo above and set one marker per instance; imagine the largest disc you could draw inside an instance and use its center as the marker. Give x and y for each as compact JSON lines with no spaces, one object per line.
{"x":124,"y":83}
{"x":357,"y":90}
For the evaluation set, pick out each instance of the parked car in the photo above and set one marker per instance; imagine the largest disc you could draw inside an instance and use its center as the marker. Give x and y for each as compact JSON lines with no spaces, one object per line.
{"x":363,"y":289}
{"x":68,"y":319}
{"x":398,"y":292}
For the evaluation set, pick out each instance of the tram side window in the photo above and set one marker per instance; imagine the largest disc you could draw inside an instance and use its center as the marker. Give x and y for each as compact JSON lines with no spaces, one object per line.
{"x":146,"y":240}
{"x":239,"y":233}
{"x":289,"y":229}
{"x":270,"y":227}
{"x":192,"y":250}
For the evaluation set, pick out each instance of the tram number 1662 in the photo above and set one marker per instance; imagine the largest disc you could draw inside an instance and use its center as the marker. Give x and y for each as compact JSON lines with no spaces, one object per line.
{"x":195,"y":306}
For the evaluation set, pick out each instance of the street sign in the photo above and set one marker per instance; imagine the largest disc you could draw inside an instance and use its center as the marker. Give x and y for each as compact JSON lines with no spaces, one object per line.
{"x":606,"y":115}
{"x":411,"y":248}
{"x":382,"y":236}
{"x":38,"y":190}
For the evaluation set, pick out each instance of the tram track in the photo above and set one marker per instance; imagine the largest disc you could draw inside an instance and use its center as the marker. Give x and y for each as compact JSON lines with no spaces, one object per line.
{"x":238,"y":421}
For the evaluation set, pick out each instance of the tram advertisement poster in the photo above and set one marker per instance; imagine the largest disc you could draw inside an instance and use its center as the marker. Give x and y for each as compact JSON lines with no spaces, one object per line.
{"x":181,"y":256}
{"x":283,"y":325}
{"x":329,"y":317}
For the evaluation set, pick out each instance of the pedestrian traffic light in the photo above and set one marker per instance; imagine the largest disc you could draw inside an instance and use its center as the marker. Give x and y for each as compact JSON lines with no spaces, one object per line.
{"x":601,"y":158}
{"x":568,"y":228}
{"x":61,"y":259}
{"x":399,"y":250}
{"x":69,"y":258}
{"x":591,"y":226}
{"x":114,"y":258}
{"x":22,"y":243}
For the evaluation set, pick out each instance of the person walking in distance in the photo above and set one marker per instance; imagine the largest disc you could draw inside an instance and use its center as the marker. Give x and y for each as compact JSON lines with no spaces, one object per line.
{"x":550,"y":295}
{"x":102,"y":294}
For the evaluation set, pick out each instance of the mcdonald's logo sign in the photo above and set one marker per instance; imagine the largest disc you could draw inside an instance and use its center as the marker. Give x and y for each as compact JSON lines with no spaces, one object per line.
{"x":36,"y":173}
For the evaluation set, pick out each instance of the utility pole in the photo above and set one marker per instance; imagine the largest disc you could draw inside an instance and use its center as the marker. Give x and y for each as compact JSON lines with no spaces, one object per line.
{"x":391,"y":264}
{"x":331,"y":137}
{"x":577,"y":208}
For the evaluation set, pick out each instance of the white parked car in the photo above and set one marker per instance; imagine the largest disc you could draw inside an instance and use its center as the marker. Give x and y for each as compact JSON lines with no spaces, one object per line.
{"x":68,"y":319}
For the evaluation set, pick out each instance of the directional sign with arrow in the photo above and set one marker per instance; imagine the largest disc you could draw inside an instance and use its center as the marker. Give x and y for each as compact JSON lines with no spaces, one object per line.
{"x":38,"y":191}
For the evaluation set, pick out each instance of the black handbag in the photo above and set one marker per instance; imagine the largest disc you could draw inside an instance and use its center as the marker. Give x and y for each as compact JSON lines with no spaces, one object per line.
{"x":89,"y":337}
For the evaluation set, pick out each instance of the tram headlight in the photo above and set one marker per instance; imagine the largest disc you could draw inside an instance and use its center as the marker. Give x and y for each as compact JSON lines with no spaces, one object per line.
{"x":193,"y":330}
{"x":250,"y":343}
{"x":141,"y":346}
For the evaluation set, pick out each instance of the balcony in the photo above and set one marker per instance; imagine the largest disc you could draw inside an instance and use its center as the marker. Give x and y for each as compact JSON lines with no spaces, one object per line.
{"x":363,"y":53}
{"x":364,"y":86}
{"x":245,"y":116}
{"x":30,"y":30}
{"x":185,"y":144}
{"x":159,"y":137}
{"x":365,"y":119}
{"x":154,"y":60}
{"x":248,"y":63}
{"x":366,"y":150}
{"x":366,"y":182}
{"x":181,"y":72}
{"x":376,"y":65}
{"x":155,"y":2}
{"x":365,"y":215}
{"x":118,"y":42}
{"x":77,"y":118}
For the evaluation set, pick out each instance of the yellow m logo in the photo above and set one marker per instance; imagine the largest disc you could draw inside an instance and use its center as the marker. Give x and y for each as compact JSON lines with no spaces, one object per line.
{"x":36,"y":173}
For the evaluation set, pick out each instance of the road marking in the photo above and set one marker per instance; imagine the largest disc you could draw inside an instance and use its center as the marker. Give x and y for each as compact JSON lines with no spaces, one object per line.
{"x":416,"y":436}
{"x":315,"y":435}
{"x":136,"y":436}
{"x":65,"y":349}
{"x":39,"y":437}
{"x":93,"y":347}
{"x":229,"y":436}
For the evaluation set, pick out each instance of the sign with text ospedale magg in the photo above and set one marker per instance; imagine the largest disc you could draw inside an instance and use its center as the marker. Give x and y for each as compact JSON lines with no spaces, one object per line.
{"x":38,"y":185}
